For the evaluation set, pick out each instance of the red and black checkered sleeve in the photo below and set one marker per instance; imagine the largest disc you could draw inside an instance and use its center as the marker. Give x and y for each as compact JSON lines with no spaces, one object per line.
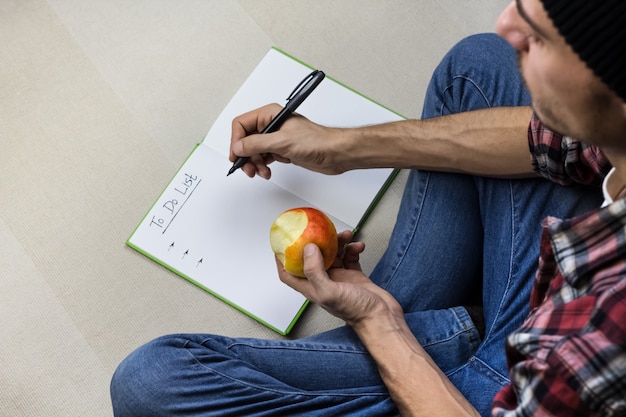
{"x":564,"y":160}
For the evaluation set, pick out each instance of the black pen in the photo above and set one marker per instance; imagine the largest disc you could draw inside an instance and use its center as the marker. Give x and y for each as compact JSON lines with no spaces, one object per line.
{"x":299,"y":94}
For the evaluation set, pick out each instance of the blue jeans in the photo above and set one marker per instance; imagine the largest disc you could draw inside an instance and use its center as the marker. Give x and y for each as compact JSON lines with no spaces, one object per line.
{"x":458,"y":240}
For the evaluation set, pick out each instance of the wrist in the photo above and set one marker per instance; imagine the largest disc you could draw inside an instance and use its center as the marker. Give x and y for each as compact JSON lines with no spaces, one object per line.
{"x":379,"y":323}
{"x":347,"y":155}
{"x":389,"y":145}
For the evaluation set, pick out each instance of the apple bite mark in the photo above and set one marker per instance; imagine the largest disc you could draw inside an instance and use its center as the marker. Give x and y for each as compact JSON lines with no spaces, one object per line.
{"x":285,"y":231}
{"x":294,"y":228}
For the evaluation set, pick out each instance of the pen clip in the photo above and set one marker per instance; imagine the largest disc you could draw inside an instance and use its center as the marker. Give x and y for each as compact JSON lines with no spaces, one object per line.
{"x":302,"y":84}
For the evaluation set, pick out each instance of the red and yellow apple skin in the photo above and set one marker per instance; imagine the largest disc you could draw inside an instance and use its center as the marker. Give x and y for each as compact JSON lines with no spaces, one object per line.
{"x":296,"y":227}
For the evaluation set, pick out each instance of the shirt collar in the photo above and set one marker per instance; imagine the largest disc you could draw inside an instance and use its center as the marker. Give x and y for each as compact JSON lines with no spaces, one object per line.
{"x":608,"y":198}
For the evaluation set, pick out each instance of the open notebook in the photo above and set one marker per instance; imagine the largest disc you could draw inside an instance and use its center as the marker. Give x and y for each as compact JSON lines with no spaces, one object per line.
{"x":213,"y":230}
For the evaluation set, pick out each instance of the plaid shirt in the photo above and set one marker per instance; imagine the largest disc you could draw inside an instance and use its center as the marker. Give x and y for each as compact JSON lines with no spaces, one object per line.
{"x":564,"y":160}
{"x":569,"y":356}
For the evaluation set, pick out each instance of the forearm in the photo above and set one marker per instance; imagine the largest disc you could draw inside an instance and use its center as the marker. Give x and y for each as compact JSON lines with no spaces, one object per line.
{"x":491,"y":142}
{"x":415,"y":383}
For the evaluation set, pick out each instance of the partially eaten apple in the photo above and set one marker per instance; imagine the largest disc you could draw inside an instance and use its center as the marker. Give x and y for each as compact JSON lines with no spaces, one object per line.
{"x":296,"y":227}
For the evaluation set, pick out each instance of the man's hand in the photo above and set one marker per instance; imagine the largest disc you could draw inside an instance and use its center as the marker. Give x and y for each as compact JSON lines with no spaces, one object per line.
{"x":299,"y":141}
{"x":415,"y":382}
{"x":344,"y":291}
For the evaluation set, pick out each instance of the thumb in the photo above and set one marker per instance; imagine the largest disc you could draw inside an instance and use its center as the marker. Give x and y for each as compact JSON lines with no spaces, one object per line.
{"x":238,"y":148}
{"x":250,"y":145}
{"x":314,"y":263}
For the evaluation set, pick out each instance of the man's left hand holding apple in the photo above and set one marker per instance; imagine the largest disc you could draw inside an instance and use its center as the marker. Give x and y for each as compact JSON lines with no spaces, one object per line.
{"x":344,"y":290}
{"x":377,"y":318}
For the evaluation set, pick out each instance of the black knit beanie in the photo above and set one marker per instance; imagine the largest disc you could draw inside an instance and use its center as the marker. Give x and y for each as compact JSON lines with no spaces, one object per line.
{"x":596,"y":31}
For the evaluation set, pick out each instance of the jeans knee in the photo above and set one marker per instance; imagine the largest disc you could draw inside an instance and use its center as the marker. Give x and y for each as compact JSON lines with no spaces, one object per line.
{"x":490,"y":44}
{"x":480,"y":58}
{"x":127,"y":383}
{"x":140,"y":381}
{"x":479,"y":71}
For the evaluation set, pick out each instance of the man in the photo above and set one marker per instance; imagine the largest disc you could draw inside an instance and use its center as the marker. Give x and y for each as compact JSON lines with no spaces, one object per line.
{"x":410,"y":346}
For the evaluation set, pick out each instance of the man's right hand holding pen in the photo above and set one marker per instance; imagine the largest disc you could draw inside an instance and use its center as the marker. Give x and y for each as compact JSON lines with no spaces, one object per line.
{"x":299,"y":141}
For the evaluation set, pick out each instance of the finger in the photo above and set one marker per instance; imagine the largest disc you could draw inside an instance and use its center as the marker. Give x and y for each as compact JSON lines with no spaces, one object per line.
{"x":354,"y":248}
{"x":243,"y":147}
{"x":344,"y":237}
{"x":256,"y":148}
{"x":352,"y":255}
{"x":242,"y":126}
{"x":248,"y":124}
{"x":256,"y":166}
{"x":314,"y":265}
{"x":294,"y":282}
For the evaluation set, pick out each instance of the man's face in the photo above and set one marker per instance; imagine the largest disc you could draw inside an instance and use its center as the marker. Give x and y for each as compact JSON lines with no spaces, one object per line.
{"x":566,"y":95}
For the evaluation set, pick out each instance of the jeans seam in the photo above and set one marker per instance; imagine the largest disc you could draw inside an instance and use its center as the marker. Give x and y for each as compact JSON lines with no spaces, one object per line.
{"x":452,"y":336}
{"x":471,"y":330}
{"x":489,"y":330}
{"x":449,"y":86}
{"x":415,"y":220}
{"x":493,"y":375}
